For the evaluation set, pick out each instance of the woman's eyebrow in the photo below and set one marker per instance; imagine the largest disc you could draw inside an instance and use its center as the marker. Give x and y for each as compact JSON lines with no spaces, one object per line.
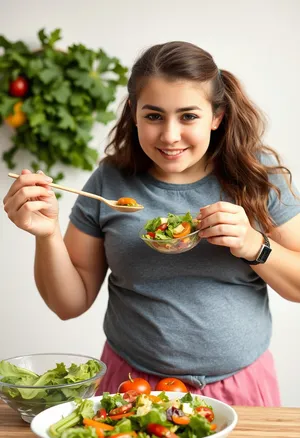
{"x":179,"y":110}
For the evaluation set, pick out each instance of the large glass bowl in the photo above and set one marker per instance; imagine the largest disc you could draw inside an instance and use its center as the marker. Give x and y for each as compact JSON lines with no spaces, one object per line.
{"x":36,"y":399}
{"x":175,"y":245}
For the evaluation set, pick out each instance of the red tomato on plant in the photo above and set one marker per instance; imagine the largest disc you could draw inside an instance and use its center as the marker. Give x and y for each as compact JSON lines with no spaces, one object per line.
{"x":138,"y":384}
{"x":171,"y":384}
{"x":19,"y":87}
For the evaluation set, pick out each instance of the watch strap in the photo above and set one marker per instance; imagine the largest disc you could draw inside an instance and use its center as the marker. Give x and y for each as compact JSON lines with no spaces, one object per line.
{"x":263,"y":254}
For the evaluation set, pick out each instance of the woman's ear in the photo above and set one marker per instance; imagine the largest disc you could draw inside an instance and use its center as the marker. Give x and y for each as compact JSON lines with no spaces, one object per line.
{"x":216,"y":121}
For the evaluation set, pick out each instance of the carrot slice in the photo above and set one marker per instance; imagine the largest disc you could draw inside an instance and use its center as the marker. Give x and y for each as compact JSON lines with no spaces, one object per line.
{"x":213,"y":427}
{"x":97,"y":424}
{"x":177,"y":419}
{"x":187,"y":229}
{"x":118,"y":417}
{"x":154,"y":399}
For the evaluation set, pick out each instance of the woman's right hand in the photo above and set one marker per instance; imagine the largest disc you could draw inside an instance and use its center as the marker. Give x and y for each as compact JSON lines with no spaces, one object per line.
{"x":31,"y":204}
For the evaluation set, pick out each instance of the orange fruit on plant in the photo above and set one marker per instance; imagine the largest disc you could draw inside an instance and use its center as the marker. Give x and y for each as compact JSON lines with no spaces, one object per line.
{"x":18,"y":118}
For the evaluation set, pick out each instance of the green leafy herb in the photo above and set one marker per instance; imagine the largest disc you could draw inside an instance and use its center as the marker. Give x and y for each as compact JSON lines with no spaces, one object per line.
{"x":68,"y":91}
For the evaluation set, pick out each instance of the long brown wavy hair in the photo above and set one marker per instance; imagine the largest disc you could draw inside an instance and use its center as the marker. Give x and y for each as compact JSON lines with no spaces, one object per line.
{"x":235,"y":147}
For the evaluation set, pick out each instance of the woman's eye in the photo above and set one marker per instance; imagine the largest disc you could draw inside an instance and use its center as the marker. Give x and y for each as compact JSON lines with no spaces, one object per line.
{"x":153,"y":117}
{"x":189,"y":117}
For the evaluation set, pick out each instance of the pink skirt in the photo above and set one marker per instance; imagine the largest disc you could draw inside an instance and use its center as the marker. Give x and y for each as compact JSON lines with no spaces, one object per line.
{"x":255,"y":385}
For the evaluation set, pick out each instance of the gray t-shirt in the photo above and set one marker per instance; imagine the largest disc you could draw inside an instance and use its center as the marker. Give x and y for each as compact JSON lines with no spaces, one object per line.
{"x":201,"y":315}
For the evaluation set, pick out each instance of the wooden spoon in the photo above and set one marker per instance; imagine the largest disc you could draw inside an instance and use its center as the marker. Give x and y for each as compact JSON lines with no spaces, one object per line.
{"x":110,"y":203}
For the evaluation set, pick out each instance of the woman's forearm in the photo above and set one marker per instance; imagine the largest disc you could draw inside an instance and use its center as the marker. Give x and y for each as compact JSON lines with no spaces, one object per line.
{"x":57,"y":280}
{"x":282,"y":272}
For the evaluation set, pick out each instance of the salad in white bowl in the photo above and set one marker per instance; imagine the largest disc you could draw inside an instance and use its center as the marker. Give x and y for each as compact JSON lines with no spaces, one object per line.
{"x":134,"y":415}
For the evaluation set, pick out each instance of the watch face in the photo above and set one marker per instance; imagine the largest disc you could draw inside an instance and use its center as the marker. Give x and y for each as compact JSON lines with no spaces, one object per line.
{"x":264,"y":254}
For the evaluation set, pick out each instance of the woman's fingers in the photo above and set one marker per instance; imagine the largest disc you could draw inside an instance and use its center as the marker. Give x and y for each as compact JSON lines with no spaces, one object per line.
{"x":24,"y":194}
{"x":220,"y":206}
{"x":229,"y":241}
{"x":27,"y":179}
{"x":222,"y":230}
{"x":219,"y":218}
{"x":24,"y":218}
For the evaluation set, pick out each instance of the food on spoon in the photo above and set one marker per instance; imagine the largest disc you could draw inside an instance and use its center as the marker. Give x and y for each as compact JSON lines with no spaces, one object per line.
{"x":128,"y":202}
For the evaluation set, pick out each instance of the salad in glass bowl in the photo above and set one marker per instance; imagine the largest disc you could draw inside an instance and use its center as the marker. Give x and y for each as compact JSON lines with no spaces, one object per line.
{"x":173,"y":234}
{"x":30,"y":384}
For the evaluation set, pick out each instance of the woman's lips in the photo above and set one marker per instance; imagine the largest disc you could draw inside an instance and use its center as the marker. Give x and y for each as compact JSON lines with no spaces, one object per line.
{"x":172,"y":154}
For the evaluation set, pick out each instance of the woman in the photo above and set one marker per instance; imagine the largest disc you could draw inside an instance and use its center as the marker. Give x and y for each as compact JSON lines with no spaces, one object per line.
{"x":189,"y":139}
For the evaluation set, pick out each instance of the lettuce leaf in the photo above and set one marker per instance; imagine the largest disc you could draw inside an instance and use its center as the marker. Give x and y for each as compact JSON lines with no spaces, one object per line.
{"x":59,"y":375}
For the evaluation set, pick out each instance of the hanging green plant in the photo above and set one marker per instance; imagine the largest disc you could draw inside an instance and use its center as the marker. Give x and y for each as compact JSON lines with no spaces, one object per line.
{"x":52,"y":98}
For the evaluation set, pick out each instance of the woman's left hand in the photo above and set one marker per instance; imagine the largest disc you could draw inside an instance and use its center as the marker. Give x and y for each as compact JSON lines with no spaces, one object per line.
{"x":227,"y":224}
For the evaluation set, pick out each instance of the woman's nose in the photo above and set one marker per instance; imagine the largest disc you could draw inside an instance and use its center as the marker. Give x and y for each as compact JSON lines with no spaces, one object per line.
{"x":171,"y":133}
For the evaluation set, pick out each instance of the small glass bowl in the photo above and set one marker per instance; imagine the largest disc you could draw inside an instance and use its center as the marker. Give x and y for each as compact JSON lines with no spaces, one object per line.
{"x":175,"y":245}
{"x":48,"y":396}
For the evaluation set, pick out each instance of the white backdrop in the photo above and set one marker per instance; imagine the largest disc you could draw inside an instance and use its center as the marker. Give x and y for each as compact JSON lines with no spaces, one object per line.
{"x":258,"y":41}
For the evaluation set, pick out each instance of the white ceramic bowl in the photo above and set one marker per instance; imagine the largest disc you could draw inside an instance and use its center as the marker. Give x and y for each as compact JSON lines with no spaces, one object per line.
{"x":225,"y":416}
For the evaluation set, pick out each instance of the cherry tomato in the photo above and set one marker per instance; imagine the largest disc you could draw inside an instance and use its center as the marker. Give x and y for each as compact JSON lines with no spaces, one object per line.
{"x":101,"y":413}
{"x":131,"y":395}
{"x":121,"y":410}
{"x":18,"y":118}
{"x":160,"y":431}
{"x":126,"y":201}
{"x":138,"y":384}
{"x":18,"y":87}
{"x":151,"y":234}
{"x":187,"y":229}
{"x":171,"y":384}
{"x":206,"y":413}
{"x":162,"y":227}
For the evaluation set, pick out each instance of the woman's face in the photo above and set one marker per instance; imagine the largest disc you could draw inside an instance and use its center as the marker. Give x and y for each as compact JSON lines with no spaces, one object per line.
{"x":174,"y":122}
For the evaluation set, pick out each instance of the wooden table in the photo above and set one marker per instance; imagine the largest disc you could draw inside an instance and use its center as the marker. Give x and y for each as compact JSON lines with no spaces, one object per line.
{"x":253,"y":423}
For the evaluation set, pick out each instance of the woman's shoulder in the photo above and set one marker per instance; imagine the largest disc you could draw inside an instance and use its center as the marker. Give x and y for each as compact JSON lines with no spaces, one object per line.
{"x":107,"y":170}
{"x":269,"y":158}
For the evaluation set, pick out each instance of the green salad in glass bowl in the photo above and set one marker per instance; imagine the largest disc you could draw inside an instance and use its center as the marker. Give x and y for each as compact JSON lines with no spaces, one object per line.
{"x":172,"y":234}
{"x":30,"y":384}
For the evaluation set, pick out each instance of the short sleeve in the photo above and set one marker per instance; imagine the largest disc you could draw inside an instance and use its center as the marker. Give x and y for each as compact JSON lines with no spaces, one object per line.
{"x":283,"y":209}
{"x":85,"y":214}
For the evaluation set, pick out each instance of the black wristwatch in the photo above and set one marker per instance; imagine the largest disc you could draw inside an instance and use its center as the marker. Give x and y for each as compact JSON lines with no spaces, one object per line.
{"x":263,"y":254}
